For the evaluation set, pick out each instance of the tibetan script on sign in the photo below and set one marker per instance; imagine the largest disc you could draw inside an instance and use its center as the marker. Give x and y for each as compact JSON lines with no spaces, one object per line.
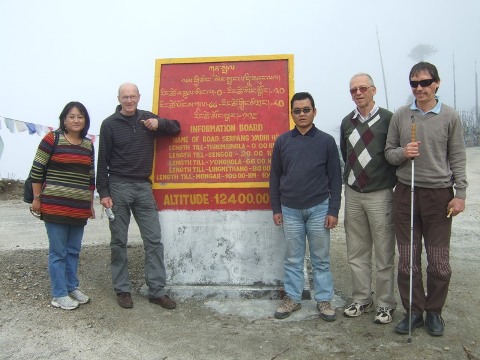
{"x":231,"y":111}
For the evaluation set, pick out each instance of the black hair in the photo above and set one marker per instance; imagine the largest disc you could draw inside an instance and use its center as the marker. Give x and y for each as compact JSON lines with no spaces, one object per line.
{"x":302,"y":96}
{"x":83,"y":111}
{"x":425,"y":66}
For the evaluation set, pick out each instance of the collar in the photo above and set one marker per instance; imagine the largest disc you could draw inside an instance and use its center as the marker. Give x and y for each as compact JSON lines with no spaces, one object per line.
{"x":369,"y":115}
{"x":119,"y":108}
{"x":311,"y":132}
{"x":436,"y":109}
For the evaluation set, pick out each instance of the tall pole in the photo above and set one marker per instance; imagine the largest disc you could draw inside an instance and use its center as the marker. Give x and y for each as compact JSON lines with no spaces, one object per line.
{"x":476,"y":97}
{"x":454,"y":85}
{"x":383,"y":70}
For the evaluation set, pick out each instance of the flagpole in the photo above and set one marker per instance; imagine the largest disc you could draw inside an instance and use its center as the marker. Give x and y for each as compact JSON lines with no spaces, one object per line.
{"x":476,"y":97}
{"x":383,"y":70}
{"x":454,"y":85}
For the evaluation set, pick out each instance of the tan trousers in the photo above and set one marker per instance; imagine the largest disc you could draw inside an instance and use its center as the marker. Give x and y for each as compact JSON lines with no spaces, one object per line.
{"x":369,"y":226}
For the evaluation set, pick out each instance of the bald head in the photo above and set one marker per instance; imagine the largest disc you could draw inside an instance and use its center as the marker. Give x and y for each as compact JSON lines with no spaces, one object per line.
{"x":128,"y":97}
{"x":128,"y":86}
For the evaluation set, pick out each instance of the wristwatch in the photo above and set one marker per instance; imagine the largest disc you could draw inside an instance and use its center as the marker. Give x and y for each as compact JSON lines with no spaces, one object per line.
{"x":37,"y":196}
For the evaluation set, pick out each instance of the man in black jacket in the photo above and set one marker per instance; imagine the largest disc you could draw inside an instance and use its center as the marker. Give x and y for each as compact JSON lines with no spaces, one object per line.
{"x":125,"y":160}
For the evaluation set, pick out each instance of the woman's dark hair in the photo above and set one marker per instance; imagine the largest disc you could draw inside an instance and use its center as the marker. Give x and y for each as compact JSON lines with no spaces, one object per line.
{"x":83,"y":111}
{"x":302,"y":96}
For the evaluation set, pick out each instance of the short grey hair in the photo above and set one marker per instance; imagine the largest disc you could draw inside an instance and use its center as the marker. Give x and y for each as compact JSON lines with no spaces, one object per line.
{"x":370,"y":80}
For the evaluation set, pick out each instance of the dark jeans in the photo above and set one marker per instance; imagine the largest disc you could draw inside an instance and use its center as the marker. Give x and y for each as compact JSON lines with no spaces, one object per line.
{"x":430,"y":222}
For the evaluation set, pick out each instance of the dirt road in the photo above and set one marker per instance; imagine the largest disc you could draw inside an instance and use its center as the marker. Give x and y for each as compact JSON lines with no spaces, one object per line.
{"x":215,"y":328}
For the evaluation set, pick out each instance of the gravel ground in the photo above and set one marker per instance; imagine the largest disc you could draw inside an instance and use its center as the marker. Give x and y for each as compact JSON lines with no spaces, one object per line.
{"x":213,"y":328}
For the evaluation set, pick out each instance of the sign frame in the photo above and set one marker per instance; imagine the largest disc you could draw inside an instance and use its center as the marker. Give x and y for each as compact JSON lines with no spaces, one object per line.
{"x":214,"y":195}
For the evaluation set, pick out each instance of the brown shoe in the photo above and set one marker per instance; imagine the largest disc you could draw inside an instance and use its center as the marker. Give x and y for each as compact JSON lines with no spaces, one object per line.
{"x":164,"y":301}
{"x":125,"y":300}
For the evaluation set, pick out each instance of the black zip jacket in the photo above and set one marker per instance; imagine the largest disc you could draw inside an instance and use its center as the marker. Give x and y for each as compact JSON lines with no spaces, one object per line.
{"x":126,"y":148}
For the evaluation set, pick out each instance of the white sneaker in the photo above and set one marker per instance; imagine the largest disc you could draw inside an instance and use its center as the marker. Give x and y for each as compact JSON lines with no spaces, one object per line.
{"x":65,"y":303}
{"x":383,"y":315}
{"x":79,"y":296}
{"x":356,"y":309}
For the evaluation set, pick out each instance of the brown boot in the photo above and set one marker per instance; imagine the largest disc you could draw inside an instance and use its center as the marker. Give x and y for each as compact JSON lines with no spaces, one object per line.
{"x":125,"y":300}
{"x":164,"y":301}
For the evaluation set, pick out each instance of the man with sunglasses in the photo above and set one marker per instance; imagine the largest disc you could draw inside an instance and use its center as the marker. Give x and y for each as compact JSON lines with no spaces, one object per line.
{"x":369,"y":181}
{"x":305,"y":193}
{"x":429,"y":133}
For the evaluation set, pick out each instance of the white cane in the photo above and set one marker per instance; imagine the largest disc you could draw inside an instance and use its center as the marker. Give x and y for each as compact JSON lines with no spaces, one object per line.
{"x":412,"y":191}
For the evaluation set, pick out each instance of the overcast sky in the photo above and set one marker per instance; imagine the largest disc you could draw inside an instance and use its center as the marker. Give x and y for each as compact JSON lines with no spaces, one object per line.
{"x":56,"y":51}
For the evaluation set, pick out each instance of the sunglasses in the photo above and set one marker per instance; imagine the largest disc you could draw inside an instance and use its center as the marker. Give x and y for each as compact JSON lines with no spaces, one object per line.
{"x":305,"y":110}
{"x":422,"y":83}
{"x":363,"y":89}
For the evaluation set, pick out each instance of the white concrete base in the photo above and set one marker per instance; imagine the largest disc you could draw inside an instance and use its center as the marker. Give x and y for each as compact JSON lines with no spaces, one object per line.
{"x":222,"y":248}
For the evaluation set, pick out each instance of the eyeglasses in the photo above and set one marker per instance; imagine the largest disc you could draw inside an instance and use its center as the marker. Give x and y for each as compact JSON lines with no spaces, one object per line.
{"x":422,"y":83}
{"x":305,"y":110}
{"x":131,"y":98}
{"x":37,"y":215}
{"x":363,"y":89}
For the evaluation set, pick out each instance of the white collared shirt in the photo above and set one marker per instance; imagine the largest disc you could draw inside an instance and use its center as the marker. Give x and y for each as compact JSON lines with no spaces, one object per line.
{"x":366,"y":118}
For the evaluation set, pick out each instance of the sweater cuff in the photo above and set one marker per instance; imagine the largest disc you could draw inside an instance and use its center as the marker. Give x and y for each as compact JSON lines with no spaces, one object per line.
{"x":103,"y":193}
{"x":461,"y":193}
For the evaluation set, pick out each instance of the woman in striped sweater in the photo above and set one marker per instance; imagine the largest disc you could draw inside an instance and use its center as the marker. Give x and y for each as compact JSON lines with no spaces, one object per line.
{"x":63,"y":178}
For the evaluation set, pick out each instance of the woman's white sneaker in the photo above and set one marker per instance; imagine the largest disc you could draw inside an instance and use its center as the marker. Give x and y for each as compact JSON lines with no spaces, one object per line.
{"x":65,"y":303}
{"x":79,"y":296}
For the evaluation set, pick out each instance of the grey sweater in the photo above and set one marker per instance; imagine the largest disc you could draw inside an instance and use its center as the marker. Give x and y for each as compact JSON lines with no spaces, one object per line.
{"x":442,"y":158}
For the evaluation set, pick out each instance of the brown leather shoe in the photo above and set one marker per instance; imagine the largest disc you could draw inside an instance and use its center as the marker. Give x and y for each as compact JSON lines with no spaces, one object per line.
{"x":164,"y":301}
{"x":125,"y":300}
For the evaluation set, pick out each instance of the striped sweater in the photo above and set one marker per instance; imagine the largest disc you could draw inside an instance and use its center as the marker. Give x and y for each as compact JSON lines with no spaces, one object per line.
{"x":69,"y":180}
